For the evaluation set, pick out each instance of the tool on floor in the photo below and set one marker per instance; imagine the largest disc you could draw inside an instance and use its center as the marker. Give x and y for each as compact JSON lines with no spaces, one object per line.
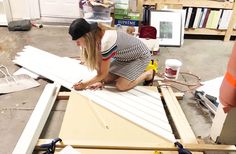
{"x":207,"y":100}
{"x":11,"y":83}
{"x":50,"y":146}
{"x":181,"y":149}
{"x":19,"y":25}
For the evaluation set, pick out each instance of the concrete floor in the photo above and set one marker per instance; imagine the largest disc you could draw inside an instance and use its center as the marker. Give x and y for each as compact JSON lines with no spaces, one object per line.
{"x":205,"y":58}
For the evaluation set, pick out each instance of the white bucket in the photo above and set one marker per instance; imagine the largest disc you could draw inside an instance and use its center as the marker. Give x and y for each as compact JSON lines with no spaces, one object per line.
{"x":172,"y":67}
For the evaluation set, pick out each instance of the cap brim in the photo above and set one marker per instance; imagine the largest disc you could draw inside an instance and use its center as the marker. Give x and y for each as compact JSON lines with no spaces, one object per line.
{"x":93,"y":25}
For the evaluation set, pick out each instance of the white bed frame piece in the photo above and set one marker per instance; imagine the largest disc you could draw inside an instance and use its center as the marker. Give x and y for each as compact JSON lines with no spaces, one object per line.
{"x":141,"y":106}
{"x":38,"y":118}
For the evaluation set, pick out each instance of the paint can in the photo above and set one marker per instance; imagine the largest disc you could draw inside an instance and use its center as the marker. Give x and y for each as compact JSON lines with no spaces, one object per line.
{"x":172,"y":67}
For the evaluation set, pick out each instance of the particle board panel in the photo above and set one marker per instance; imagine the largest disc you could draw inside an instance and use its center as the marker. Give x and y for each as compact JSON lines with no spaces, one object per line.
{"x":88,"y":122}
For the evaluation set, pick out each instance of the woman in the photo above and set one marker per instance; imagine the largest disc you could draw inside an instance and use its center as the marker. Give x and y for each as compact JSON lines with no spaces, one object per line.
{"x":118,"y":57}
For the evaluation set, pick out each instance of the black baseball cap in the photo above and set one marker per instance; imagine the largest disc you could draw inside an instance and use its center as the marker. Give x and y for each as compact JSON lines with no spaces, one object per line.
{"x":80,"y":26}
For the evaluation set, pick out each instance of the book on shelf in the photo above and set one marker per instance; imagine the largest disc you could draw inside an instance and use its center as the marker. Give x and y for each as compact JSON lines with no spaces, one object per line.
{"x":197,"y":18}
{"x":188,"y":15}
{"x":206,"y":18}
{"x":216,"y":19}
{"x":210,"y":19}
{"x":191,"y":21}
{"x":202,"y":17}
{"x":225,"y":19}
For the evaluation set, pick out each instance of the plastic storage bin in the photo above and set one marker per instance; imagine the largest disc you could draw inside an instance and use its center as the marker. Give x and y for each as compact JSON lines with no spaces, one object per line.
{"x":107,"y":21}
{"x":96,"y":12}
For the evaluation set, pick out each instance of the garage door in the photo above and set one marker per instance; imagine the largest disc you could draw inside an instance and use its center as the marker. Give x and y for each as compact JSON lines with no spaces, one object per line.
{"x":59,"y":8}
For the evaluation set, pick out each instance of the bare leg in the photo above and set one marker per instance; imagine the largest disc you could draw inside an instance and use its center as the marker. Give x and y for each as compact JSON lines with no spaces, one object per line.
{"x":123,"y":84}
{"x":111,"y":78}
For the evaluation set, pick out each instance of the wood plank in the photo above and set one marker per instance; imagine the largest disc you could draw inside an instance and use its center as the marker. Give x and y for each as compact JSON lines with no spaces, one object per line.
{"x":92,"y":130}
{"x":231,"y":24}
{"x":37,"y":120}
{"x":223,"y":129}
{"x":66,"y":95}
{"x":180,"y":121}
{"x":144,"y":146}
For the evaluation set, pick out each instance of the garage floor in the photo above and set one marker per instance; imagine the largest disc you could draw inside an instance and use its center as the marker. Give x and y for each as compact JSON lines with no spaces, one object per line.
{"x":205,"y":58}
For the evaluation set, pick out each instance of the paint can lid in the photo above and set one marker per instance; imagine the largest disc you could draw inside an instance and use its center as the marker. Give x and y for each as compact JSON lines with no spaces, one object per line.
{"x":173,"y":63}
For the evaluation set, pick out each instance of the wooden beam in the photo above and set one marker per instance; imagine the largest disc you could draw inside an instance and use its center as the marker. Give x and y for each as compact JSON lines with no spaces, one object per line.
{"x":66,"y":95}
{"x":37,"y":120}
{"x":155,"y":147}
{"x":230,"y":28}
{"x":184,"y":130}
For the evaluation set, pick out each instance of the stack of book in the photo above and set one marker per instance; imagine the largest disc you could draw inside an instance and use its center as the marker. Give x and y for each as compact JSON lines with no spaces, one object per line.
{"x":207,"y":18}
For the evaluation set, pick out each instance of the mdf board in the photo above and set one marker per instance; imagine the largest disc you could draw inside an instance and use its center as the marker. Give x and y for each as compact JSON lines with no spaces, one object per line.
{"x":223,"y":129}
{"x":86,"y":122}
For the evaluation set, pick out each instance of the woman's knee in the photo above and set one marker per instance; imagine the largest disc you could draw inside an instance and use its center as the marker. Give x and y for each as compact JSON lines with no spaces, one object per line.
{"x":121,"y":86}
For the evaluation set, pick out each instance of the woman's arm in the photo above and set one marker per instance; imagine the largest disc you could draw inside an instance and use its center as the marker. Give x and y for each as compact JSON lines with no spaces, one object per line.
{"x":101,"y":74}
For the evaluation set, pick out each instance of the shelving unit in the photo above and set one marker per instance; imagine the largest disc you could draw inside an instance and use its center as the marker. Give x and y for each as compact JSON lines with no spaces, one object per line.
{"x":204,"y":4}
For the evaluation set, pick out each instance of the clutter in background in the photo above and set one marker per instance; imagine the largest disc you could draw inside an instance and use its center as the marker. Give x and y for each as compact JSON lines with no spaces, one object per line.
{"x":37,"y":25}
{"x":12,"y":83}
{"x":19,"y":25}
{"x":126,"y":17}
{"x":97,"y":10}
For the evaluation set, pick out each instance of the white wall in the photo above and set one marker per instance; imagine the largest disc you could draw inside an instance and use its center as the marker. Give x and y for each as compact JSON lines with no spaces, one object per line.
{"x":24,"y":9}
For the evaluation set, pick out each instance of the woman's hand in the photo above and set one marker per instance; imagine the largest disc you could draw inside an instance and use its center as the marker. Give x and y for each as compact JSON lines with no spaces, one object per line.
{"x":79,"y":86}
{"x":95,"y":86}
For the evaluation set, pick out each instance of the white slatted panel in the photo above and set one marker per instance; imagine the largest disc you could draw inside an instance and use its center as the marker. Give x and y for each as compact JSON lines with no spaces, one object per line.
{"x":139,"y":105}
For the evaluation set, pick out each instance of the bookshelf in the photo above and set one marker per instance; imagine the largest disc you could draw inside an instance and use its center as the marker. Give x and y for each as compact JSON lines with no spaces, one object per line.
{"x":203,"y":4}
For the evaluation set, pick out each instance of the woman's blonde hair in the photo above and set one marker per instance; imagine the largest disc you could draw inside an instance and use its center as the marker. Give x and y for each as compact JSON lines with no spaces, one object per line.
{"x":91,"y":54}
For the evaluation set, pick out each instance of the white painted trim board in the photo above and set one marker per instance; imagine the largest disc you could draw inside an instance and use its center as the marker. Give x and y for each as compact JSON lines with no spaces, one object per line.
{"x":38,"y":118}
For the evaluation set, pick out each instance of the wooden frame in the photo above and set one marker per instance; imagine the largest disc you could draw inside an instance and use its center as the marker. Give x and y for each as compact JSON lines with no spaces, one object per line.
{"x":169,"y":27}
{"x":29,"y":138}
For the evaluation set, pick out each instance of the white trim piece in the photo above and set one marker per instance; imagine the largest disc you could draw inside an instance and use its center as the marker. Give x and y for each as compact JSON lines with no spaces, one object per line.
{"x":37,"y":120}
{"x":133,"y":107}
{"x":116,"y":107}
{"x":53,"y":67}
{"x":157,"y":111}
{"x":139,"y":105}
